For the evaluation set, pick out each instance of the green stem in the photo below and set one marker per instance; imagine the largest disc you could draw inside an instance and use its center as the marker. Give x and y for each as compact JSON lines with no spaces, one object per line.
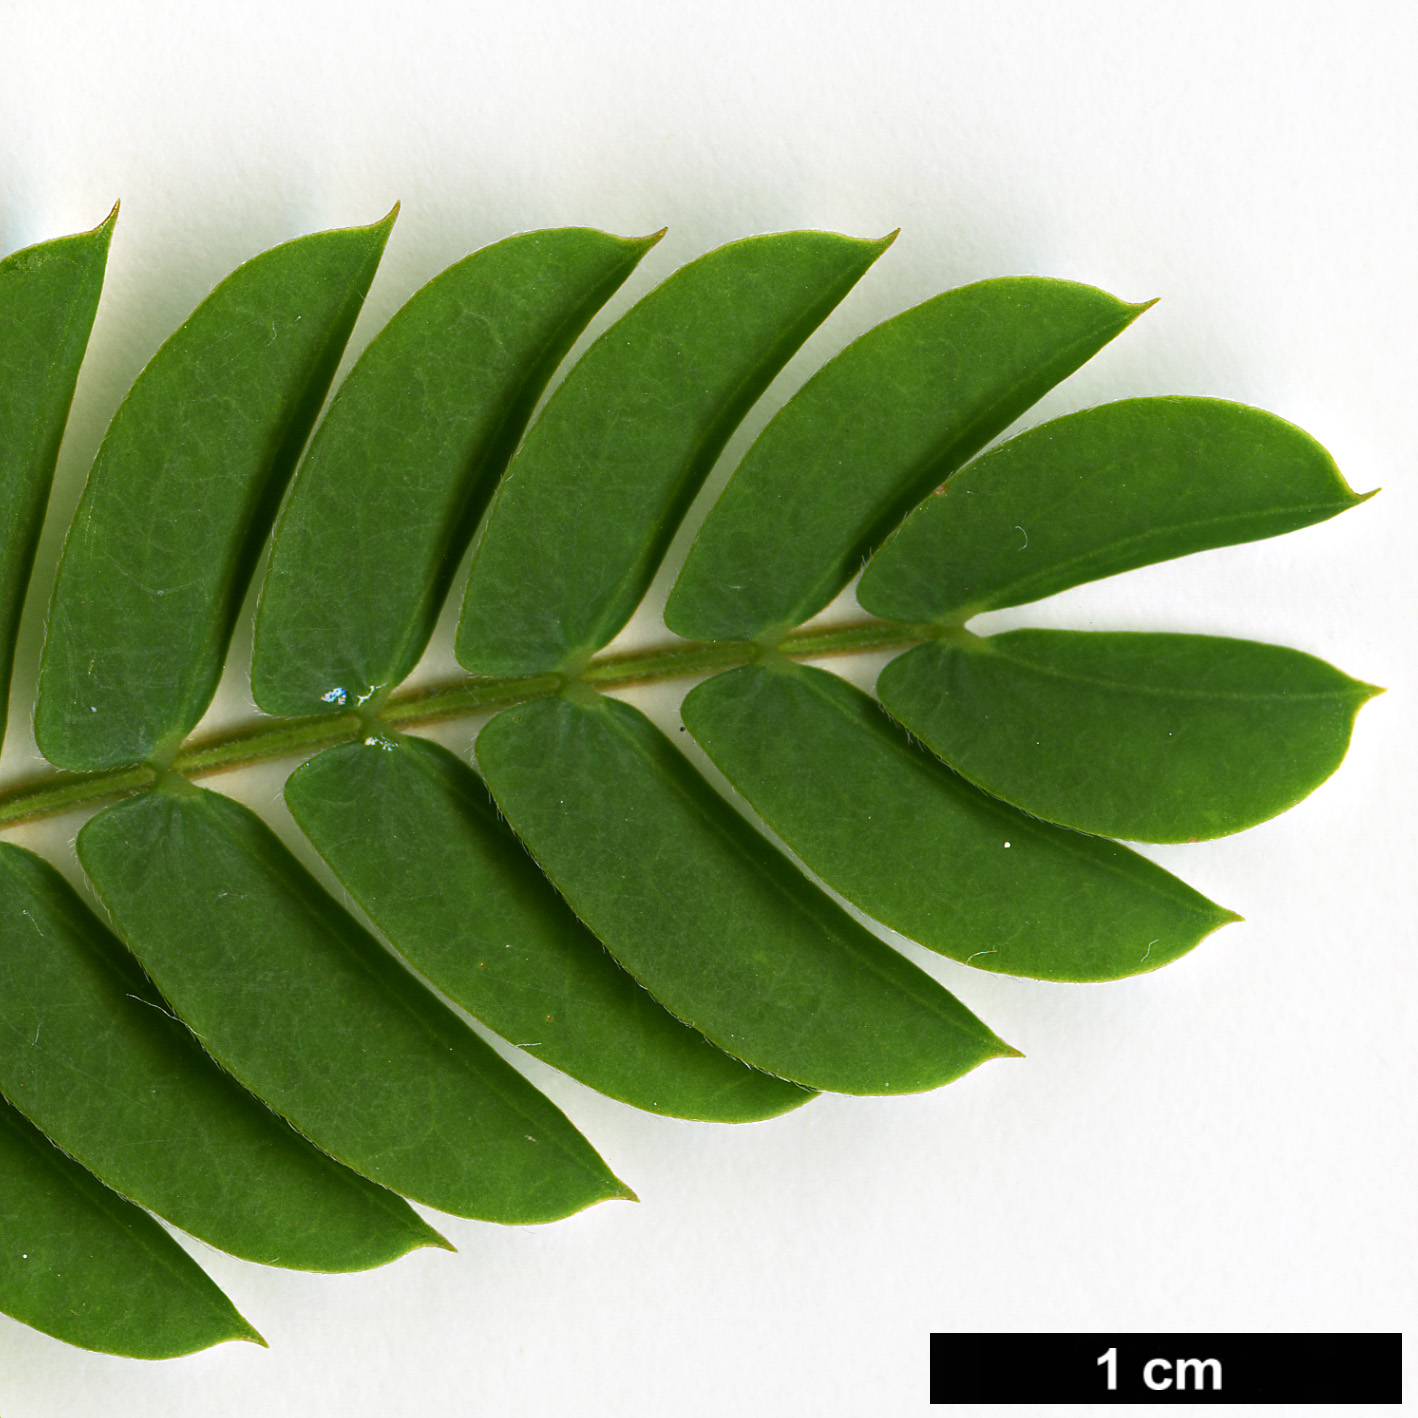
{"x":262,"y":740}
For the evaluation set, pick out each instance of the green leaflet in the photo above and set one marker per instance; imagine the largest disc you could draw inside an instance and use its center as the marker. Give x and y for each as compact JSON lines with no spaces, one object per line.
{"x":592,"y":499}
{"x":913,"y":845}
{"x":404,"y":462}
{"x":48,"y":296}
{"x":82,"y":1264}
{"x":317,"y":1019}
{"x":1099,"y":492}
{"x":1154,"y":738}
{"x":413,"y":835}
{"x":868,"y":436}
{"x":708,"y":916}
{"x":181,"y":496}
{"x":168,"y":1129}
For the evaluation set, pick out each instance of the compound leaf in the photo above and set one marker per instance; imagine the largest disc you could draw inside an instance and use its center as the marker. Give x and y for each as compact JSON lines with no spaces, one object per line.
{"x":646,"y":852}
{"x":1153,"y":738}
{"x":914,"y":845}
{"x":591,"y":500}
{"x":1099,"y":492}
{"x":48,"y":297}
{"x":166,"y":1128}
{"x":734,"y":985}
{"x":82,"y":1264}
{"x":181,"y":496}
{"x":402,"y":465}
{"x":315,"y":1017}
{"x":871,"y":434}
{"x":412,"y":834}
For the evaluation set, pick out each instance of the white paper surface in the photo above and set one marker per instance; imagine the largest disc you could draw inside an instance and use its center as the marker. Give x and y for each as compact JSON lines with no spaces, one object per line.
{"x":1224,"y":1145}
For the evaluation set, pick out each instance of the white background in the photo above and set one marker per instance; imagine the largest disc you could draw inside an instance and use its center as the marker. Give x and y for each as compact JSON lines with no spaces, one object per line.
{"x":1224,"y":1145}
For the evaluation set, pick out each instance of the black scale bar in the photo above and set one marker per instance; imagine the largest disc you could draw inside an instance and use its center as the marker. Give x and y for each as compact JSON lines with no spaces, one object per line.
{"x":1167,"y":1368}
